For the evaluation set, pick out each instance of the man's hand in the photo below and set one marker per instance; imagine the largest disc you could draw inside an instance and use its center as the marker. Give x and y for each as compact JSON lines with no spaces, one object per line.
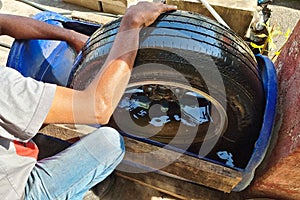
{"x":140,"y":15}
{"x":145,"y":13}
{"x":77,"y":40}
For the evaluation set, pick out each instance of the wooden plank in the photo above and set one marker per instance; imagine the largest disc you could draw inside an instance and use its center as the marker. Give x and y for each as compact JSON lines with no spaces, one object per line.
{"x":167,"y":162}
{"x":179,"y":165}
{"x":171,"y":186}
{"x":238,"y":14}
{"x":92,"y":17}
{"x":118,"y":6}
{"x":66,"y":131}
{"x":234,"y":4}
{"x":114,"y":7}
{"x":91,"y":4}
{"x":126,"y":189}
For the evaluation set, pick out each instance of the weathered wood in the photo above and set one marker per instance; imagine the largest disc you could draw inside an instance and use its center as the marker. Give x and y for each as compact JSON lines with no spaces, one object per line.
{"x":234,"y":4}
{"x":92,"y":17}
{"x":91,"y":4}
{"x":238,"y":14}
{"x":114,"y":7}
{"x":165,"y":161}
{"x":65,"y":131}
{"x":172,"y":186}
{"x":118,"y":6}
{"x":126,"y":189}
{"x":180,"y":165}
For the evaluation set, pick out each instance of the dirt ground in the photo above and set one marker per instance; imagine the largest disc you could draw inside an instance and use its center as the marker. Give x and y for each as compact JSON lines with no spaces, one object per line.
{"x":285,"y":15}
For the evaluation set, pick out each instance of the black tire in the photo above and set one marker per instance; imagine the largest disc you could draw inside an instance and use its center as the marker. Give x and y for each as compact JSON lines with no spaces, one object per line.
{"x":193,"y":55}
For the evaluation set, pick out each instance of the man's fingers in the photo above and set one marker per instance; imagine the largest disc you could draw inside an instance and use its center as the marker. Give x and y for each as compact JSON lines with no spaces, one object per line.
{"x":148,"y":12}
{"x":166,"y":7}
{"x":160,"y":8}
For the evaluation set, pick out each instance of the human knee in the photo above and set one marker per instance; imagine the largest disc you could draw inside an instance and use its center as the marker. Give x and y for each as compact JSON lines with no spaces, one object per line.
{"x":112,"y":140}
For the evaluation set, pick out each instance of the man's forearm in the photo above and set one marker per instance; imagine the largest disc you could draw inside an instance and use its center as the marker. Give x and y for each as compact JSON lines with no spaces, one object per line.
{"x":97,"y":102}
{"x":107,"y":88}
{"x":27,"y":28}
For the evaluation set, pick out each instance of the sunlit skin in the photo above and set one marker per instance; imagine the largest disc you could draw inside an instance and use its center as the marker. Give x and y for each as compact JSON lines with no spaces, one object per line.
{"x":97,"y":102}
{"x":20,"y":27}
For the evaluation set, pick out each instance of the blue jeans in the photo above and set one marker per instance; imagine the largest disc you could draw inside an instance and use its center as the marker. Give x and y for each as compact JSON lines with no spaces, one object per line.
{"x":72,"y":172}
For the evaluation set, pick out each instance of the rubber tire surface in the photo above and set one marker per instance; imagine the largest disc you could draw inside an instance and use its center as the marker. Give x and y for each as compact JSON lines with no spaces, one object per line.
{"x":189,"y":43}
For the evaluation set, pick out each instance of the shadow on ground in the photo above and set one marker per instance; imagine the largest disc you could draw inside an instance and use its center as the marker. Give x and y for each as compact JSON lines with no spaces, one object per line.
{"x":295,"y":4}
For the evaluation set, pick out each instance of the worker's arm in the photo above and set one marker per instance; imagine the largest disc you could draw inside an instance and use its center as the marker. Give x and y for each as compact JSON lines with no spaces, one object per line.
{"x":97,"y":102}
{"x":27,"y":28}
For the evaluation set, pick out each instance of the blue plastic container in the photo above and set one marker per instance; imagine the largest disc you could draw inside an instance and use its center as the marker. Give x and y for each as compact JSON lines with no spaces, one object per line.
{"x":269,"y":77}
{"x":52,"y":61}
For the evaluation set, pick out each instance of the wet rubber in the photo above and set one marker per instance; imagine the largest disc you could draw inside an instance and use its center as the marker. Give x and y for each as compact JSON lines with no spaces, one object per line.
{"x":193,"y":46}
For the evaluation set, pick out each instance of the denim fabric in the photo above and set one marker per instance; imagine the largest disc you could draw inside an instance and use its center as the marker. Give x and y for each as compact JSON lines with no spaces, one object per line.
{"x":72,"y":172}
